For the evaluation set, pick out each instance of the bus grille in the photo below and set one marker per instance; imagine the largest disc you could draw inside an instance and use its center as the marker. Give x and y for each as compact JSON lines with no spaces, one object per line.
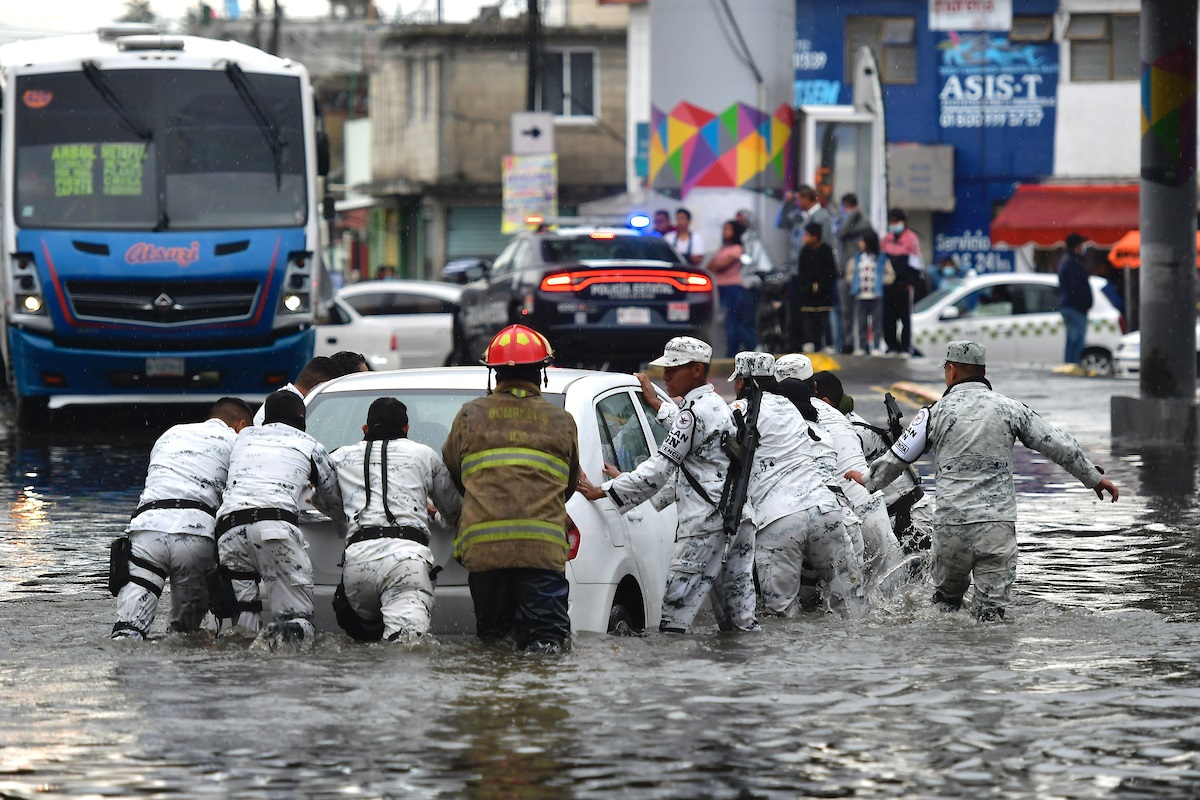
{"x":162,"y":303}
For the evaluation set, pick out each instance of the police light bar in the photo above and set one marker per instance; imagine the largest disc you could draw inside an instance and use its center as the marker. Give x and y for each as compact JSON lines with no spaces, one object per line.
{"x":639,"y":221}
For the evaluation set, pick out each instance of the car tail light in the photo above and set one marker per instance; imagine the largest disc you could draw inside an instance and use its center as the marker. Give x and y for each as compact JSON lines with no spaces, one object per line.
{"x":572,"y":539}
{"x":395,"y":342}
{"x":1123,"y":324}
{"x":578,"y":281}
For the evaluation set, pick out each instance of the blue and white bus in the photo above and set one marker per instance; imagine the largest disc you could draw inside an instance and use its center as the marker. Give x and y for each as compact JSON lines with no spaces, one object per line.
{"x":159,"y":219}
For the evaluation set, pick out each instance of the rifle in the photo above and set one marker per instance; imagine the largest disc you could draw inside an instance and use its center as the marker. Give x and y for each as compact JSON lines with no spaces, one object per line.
{"x":740,"y":450}
{"x":895,"y":424}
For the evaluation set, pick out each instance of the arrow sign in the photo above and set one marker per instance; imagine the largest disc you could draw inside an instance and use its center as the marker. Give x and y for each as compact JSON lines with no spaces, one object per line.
{"x":532,"y":133}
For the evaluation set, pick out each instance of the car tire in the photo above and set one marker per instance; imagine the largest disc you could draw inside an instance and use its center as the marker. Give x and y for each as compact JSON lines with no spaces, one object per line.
{"x":620,"y":621}
{"x":1097,"y":360}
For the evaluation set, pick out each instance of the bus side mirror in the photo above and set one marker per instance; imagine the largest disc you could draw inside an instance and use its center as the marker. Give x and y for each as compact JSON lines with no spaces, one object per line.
{"x":322,"y":153}
{"x":328,"y":208}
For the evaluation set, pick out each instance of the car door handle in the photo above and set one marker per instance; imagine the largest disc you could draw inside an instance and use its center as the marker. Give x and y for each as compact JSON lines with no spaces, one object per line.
{"x":635,"y":516}
{"x":330,"y":340}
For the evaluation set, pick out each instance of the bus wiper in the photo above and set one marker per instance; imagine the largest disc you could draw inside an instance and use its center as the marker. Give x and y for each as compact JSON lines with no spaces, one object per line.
{"x":103,"y":88}
{"x":262,"y":118}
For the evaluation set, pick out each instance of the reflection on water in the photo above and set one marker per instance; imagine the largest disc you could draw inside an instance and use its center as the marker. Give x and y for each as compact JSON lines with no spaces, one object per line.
{"x":1091,"y":690}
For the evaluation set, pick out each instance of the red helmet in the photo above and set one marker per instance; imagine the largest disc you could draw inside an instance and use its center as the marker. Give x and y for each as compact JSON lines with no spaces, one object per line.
{"x":518,"y":345}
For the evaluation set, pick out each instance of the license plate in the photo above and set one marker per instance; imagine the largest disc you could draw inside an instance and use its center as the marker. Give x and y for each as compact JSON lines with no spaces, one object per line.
{"x":164,"y":368}
{"x":677,"y":312}
{"x":633,"y":316}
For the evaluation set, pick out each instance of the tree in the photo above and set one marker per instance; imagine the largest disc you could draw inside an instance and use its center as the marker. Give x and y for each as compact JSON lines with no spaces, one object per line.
{"x":138,"y":11}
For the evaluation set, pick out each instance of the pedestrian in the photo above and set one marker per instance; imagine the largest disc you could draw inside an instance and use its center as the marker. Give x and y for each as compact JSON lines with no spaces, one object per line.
{"x":881,"y":551}
{"x":1074,"y":298}
{"x":813,"y":292}
{"x":726,"y":267}
{"x":868,"y":278}
{"x":170,"y":535}
{"x":851,"y":227}
{"x":662,"y":223}
{"x":387,"y":481}
{"x":692,"y":467}
{"x":798,"y":518}
{"x":686,"y":241}
{"x":903,"y":250}
{"x":972,"y":430}
{"x":258,"y":539}
{"x":345,"y":362}
{"x":756,"y":262}
{"x":514,"y":456}
{"x":315,"y":372}
{"x":800,"y":208}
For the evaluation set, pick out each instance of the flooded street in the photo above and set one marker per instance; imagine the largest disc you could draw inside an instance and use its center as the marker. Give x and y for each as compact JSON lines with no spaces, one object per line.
{"x":1090,"y":690}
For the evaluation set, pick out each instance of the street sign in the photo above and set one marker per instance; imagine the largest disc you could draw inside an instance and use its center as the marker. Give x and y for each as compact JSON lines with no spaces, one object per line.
{"x":532,"y":133}
{"x":529,"y":187}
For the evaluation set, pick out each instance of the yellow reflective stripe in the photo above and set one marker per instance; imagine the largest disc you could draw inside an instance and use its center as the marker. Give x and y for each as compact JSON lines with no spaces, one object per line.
{"x":507,"y":530}
{"x":515,"y":457}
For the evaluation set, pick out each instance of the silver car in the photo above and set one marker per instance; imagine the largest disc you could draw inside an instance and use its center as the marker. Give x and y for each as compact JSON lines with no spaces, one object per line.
{"x":618,"y":565}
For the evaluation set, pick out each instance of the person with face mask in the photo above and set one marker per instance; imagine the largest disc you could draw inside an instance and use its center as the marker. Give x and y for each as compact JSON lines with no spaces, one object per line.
{"x":903,"y":249}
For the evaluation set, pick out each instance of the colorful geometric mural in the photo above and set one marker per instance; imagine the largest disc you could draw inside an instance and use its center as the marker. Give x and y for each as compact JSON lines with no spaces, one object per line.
{"x":739,"y":147}
{"x":1169,"y":118}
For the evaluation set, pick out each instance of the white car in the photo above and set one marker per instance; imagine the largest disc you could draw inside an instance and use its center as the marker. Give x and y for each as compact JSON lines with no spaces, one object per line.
{"x":618,"y":565}
{"x":394,"y":324}
{"x":1127,"y":360}
{"x":1015,"y":316}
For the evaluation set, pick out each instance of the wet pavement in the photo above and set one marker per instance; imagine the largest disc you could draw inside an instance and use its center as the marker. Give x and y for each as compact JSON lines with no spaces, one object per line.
{"x":1090,"y":689}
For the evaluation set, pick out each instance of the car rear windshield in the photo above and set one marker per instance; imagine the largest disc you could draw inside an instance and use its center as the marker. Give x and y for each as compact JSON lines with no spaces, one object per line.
{"x":620,"y":247}
{"x":336,"y":418}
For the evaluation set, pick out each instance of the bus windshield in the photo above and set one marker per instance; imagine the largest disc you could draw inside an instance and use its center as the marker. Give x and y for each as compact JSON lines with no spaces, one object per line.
{"x":157,"y":149}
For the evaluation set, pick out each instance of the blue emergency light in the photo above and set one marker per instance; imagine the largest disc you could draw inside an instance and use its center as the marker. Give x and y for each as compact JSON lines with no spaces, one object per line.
{"x":639,"y":221}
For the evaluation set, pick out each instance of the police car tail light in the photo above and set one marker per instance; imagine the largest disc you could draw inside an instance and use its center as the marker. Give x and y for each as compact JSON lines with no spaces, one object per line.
{"x":572,"y":540}
{"x":578,"y":281}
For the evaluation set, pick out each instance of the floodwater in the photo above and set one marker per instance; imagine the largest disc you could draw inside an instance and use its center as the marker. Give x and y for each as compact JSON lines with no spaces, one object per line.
{"x":1090,"y":690}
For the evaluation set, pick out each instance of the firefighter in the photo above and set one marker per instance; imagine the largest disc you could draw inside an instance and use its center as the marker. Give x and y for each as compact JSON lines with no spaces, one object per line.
{"x":514,"y":456}
{"x":972,"y":430}
{"x":259,"y":540}
{"x":692,"y":467}
{"x":386,"y":482}
{"x":171,"y":533}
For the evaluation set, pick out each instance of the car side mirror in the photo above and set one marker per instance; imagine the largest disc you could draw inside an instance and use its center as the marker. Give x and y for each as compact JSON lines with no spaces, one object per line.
{"x":323,"y":156}
{"x":328,"y":208}
{"x":949,"y":313}
{"x":476,"y":272}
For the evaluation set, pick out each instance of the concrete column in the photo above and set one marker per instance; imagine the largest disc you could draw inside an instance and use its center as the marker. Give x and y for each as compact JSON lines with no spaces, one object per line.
{"x":1166,"y":410}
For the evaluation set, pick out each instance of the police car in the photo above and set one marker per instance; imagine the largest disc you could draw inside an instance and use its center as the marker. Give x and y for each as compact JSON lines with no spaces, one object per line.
{"x":1015,"y":316}
{"x":603,"y":294}
{"x":618,"y":563}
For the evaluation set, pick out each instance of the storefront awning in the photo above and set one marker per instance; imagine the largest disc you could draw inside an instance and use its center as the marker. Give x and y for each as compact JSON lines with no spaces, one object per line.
{"x":1045,"y":215}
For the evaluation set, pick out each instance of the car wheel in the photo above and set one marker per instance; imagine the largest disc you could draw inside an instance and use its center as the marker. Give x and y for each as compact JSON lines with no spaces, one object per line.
{"x":620,"y":621}
{"x":1097,"y":360}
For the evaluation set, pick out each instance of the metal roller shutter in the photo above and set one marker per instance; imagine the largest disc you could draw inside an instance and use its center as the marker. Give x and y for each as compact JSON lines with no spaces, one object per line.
{"x":473,"y":231}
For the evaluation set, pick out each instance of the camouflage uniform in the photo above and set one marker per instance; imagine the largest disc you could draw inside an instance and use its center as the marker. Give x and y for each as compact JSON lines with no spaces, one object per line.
{"x":188,"y":463}
{"x":914,"y":527}
{"x":386,"y":577}
{"x":270,"y":469}
{"x":694,"y":444}
{"x":972,"y":430}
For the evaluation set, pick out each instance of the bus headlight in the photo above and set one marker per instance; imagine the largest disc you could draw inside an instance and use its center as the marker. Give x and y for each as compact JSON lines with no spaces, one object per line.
{"x":32,"y":304}
{"x":293,"y":302}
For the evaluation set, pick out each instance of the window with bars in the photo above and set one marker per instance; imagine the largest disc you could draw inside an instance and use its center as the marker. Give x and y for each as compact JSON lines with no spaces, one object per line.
{"x":892,"y":40}
{"x":567,"y":83}
{"x":1104,"y":47}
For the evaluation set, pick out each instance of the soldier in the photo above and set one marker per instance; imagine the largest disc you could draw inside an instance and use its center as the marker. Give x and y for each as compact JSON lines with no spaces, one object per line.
{"x":690,"y":463}
{"x":171,"y":532}
{"x":515,"y":457}
{"x":971,"y":431}
{"x":386,"y":482}
{"x":259,"y":540}
{"x":315,"y":372}
{"x":798,"y":517}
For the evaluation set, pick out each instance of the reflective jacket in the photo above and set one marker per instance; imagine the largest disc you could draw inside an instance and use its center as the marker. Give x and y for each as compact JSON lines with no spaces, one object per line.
{"x":515,"y":458}
{"x":971,"y":431}
{"x":189,"y":462}
{"x":693,"y":443}
{"x":415,"y":473}
{"x":272,"y":466}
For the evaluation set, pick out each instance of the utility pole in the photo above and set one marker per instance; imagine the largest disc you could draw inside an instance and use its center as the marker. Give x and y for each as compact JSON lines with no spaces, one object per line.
{"x":254,"y":29}
{"x":535,"y":55}
{"x":275,"y":19}
{"x":1166,"y":411}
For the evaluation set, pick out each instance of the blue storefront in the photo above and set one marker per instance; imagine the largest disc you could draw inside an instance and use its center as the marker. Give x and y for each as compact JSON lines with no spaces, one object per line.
{"x":990,"y":94}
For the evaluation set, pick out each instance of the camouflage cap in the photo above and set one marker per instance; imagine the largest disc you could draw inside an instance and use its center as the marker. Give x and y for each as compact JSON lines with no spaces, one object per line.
{"x":751,"y":364}
{"x":684,"y":350}
{"x":964,"y":352}
{"x":794,"y":365}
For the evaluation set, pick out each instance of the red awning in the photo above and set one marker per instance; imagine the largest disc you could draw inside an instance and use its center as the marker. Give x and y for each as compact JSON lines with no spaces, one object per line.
{"x":1044,"y":215}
